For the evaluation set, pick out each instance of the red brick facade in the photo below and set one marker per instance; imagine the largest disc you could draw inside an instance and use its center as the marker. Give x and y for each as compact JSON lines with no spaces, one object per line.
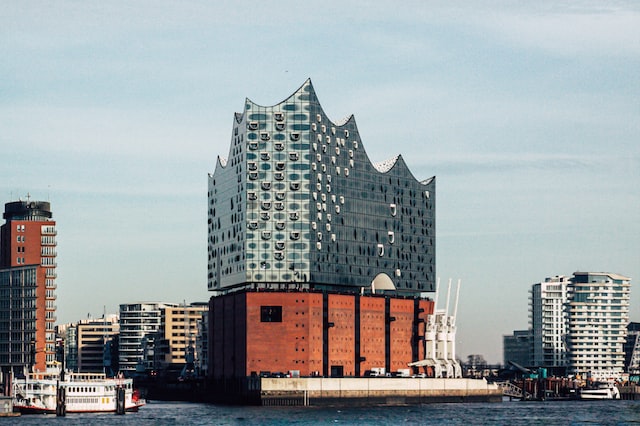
{"x":325,"y":334}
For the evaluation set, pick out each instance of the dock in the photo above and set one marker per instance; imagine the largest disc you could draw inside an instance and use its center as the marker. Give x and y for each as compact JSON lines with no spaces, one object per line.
{"x":374,"y":391}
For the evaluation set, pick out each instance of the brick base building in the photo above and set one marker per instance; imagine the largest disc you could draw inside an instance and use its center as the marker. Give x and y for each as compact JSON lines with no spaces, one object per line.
{"x":316,"y":333}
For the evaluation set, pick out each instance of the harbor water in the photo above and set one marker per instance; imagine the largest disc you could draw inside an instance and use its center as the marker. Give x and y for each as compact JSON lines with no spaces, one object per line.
{"x":506,"y":413}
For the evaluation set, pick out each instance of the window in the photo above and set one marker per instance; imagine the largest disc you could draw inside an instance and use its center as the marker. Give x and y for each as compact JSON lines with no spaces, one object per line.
{"x":264,"y":136}
{"x":280,"y":196}
{"x":278,"y":116}
{"x":293,"y":156}
{"x":295,"y":137}
{"x":280,"y":165}
{"x":279,"y":226}
{"x":270,"y":313}
{"x":393,"y":209}
{"x":279,"y":146}
{"x":252,"y":166}
{"x":264,"y":156}
{"x":279,"y":126}
{"x":266,"y":235}
{"x":253,"y":125}
{"x":278,"y":176}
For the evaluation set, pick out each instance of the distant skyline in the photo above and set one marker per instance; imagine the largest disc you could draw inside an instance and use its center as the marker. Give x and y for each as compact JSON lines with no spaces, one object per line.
{"x":527,"y":114}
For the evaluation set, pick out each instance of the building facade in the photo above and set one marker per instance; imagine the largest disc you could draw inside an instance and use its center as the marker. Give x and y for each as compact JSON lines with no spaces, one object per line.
{"x":317,"y":256}
{"x":548,"y":322}
{"x":139,"y":327}
{"x":516,"y":348}
{"x":314,"y":333}
{"x":93,"y":336}
{"x":298,"y":204}
{"x":178,"y":335}
{"x":598,"y":314}
{"x":27,"y":287}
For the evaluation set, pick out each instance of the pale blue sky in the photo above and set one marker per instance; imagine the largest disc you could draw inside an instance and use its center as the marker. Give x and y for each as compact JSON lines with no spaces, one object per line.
{"x":528,"y":114}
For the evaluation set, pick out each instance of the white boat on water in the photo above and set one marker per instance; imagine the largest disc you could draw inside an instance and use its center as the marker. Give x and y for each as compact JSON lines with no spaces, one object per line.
{"x":83,"y":393}
{"x":600,"y":391}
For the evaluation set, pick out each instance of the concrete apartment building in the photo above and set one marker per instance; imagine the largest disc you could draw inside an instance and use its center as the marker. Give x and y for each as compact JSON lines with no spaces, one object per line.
{"x":548,"y":322}
{"x":598,"y":314}
{"x":27,"y":287}
{"x":317,"y":256}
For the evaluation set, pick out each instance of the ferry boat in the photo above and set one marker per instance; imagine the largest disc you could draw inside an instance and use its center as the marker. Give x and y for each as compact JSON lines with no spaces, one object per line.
{"x":600,"y":391}
{"x":83,"y":393}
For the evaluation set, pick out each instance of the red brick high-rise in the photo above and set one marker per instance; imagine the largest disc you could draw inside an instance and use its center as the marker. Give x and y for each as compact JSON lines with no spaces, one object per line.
{"x":27,"y":286}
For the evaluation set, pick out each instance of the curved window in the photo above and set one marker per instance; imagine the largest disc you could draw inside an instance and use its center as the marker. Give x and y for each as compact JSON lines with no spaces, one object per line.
{"x":279,"y":205}
{"x":278,"y":255}
{"x":253,"y":225}
{"x":279,"y":126}
{"x":252,"y":165}
{"x":294,"y":216}
{"x":253,"y":125}
{"x":280,"y":165}
{"x":295,"y":235}
{"x":253,"y":146}
{"x":264,"y":136}
{"x":278,"y":176}
{"x":380,"y":250}
{"x":280,"y":196}
{"x":253,"y":175}
{"x":266,"y":235}
{"x":293,"y":156}
{"x":279,"y":146}
{"x":252,"y":196}
{"x":265,"y":216}
{"x":294,"y":186}
{"x":266,"y":186}
{"x":278,"y":116}
{"x":266,"y":205}
{"x":279,"y":245}
{"x":265,"y":156}
{"x":279,"y":226}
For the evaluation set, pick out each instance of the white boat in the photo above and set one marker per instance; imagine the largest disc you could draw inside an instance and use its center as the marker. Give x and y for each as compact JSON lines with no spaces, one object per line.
{"x":600,"y":391}
{"x":83,"y":393}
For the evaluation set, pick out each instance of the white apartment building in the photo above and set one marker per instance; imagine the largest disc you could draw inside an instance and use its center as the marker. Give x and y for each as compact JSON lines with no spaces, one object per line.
{"x":139,"y":325}
{"x":548,"y":321}
{"x":598,"y":314}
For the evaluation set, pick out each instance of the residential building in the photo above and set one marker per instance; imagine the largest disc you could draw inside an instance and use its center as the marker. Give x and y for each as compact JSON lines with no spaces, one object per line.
{"x":517,"y":348}
{"x":548,"y":322}
{"x":317,"y":256}
{"x":139,"y":325}
{"x":93,"y":335}
{"x":178,"y":333}
{"x":27,"y":287}
{"x":598,"y":314}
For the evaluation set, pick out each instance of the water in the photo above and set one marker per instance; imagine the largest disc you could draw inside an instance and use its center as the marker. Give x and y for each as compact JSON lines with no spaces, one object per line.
{"x":506,"y":413}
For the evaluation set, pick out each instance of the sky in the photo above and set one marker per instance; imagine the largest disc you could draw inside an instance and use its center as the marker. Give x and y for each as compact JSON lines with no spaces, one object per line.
{"x":527,"y":113}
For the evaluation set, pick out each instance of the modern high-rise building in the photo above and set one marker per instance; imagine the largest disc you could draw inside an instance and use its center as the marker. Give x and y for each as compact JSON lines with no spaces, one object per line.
{"x":317,"y":256}
{"x":548,"y":322}
{"x":27,"y":287}
{"x":598,"y":314}
{"x":298,"y":204}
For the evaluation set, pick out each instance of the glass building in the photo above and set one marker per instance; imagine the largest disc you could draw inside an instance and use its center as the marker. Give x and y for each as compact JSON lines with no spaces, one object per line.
{"x":298,"y":204}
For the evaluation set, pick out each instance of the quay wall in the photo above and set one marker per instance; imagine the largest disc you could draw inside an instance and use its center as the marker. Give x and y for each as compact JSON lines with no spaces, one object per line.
{"x":374,"y":391}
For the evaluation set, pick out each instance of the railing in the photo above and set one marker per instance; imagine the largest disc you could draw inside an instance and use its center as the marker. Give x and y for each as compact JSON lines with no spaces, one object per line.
{"x":511,"y":390}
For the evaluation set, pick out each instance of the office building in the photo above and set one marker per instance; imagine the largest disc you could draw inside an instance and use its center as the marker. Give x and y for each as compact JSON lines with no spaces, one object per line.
{"x":632,"y":348}
{"x":598,"y":314}
{"x":517,"y":348}
{"x":317,"y":256}
{"x":548,"y":322}
{"x":27,"y":287}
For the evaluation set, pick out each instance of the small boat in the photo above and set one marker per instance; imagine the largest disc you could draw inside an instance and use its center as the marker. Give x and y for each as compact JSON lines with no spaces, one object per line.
{"x":82,"y":393}
{"x":599,"y":391}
